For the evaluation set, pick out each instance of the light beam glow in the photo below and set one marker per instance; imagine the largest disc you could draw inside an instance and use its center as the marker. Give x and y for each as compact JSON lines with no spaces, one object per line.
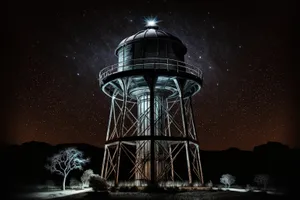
{"x":151,"y":21}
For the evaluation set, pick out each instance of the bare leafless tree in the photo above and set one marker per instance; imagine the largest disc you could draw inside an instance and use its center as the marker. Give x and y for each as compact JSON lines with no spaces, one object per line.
{"x":227,"y":180}
{"x":262,"y":179}
{"x":66,"y":161}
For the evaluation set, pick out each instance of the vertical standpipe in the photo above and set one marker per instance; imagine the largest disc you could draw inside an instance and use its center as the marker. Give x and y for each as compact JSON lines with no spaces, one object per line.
{"x":144,"y":129}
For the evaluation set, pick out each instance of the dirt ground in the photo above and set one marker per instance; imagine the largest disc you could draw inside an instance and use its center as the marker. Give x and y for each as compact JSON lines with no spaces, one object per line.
{"x":197,"y":195}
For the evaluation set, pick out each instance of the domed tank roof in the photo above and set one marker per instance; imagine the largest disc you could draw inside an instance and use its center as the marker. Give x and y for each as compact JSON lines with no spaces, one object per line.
{"x":151,"y":32}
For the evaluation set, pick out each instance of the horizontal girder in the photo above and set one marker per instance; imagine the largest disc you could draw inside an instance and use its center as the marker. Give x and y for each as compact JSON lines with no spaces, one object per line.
{"x":149,"y":137}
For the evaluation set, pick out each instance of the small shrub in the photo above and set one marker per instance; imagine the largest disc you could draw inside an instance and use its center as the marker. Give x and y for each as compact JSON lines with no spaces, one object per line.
{"x":113,"y":189}
{"x":185,"y":184}
{"x":197,"y":184}
{"x":85,"y":178}
{"x":75,"y":184}
{"x":140,"y":182}
{"x":50,"y":185}
{"x":124,"y":189}
{"x":209,"y":184}
{"x":173,"y":184}
{"x":98,"y":183}
{"x":249,"y":187}
{"x":219,"y":186}
{"x":227,"y":180}
{"x":134,"y":189}
{"x":37,"y":188}
{"x":262,"y":180}
{"x":110,"y":183}
{"x":151,"y":188}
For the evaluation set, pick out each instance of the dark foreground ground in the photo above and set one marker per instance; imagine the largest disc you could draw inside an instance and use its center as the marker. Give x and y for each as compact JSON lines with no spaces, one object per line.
{"x":198,"y":195}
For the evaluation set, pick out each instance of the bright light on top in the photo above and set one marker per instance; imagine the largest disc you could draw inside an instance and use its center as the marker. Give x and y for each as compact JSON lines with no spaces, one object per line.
{"x":151,"y":22}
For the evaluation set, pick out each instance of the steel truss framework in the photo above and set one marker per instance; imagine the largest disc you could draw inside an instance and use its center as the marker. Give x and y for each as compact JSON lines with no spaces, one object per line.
{"x":171,"y":131}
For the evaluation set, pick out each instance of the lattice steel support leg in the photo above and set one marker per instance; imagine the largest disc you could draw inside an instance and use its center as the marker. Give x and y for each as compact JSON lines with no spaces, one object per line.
{"x":196,"y":137}
{"x":199,"y":160}
{"x":118,"y":164}
{"x":180,"y":86}
{"x":107,"y":162}
{"x":124,"y":84}
{"x":170,"y":147}
{"x":103,"y":162}
{"x":107,"y":135}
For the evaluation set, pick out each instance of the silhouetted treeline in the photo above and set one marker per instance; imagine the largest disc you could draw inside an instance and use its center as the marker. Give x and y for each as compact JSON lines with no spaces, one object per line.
{"x":24,"y":164}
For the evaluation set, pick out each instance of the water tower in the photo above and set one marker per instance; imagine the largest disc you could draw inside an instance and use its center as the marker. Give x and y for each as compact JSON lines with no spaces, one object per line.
{"x":151,"y":116}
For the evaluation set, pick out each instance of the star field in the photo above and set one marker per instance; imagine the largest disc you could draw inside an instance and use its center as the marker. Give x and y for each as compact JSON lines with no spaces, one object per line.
{"x":246,"y":100}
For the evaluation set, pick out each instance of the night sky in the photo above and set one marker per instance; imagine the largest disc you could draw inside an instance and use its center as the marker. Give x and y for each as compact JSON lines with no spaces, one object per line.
{"x":243,"y":50}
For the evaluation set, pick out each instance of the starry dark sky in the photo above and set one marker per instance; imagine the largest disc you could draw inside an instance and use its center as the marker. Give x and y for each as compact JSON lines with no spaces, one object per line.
{"x":242,"y":48}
